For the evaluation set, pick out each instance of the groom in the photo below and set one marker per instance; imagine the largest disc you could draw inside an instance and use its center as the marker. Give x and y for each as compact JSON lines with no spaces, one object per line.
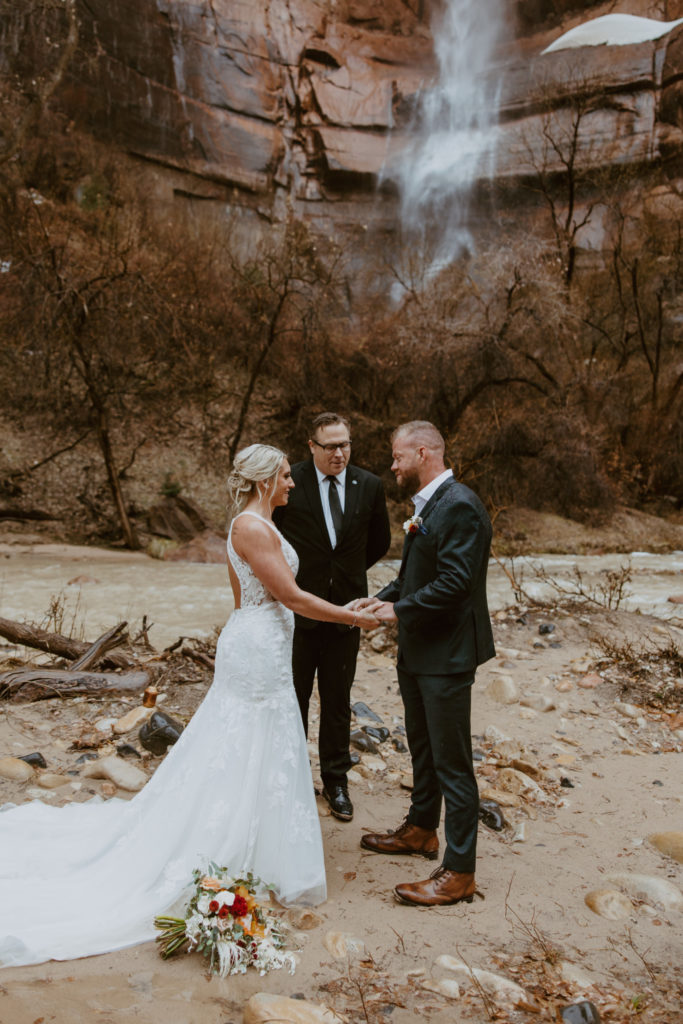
{"x":336,"y":520}
{"x":444,"y":632}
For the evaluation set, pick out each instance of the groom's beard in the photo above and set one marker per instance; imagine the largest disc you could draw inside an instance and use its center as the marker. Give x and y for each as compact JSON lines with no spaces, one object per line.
{"x":409,"y":484}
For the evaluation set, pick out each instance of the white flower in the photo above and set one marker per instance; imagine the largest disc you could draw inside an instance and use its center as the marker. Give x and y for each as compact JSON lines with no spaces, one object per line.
{"x":225,"y":898}
{"x":203,"y":904}
{"x":413,"y":524}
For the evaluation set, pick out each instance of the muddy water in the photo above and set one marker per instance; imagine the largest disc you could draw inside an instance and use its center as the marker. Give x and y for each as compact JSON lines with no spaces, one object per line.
{"x":94,"y":588}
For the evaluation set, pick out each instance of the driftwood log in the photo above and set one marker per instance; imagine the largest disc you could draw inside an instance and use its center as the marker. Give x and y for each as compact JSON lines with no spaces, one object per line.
{"x":24,"y":684}
{"x":64,"y":646}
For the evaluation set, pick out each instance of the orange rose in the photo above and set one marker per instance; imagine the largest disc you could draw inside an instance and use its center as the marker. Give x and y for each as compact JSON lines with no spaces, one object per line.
{"x":212,"y":884}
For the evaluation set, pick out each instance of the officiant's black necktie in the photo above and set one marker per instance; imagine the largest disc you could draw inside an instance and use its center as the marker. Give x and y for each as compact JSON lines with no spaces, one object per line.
{"x":335,"y":506}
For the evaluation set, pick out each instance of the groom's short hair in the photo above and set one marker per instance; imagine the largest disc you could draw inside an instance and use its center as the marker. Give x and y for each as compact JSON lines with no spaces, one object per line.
{"x":328,"y":419}
{"x":424,"y":432}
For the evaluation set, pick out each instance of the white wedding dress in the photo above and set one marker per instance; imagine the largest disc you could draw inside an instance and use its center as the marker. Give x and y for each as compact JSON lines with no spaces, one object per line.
{"x":236,"y":789}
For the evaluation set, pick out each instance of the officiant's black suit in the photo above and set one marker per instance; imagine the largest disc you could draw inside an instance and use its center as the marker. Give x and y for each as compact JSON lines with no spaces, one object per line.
{"x":336,"y":574}
{"x":444,"y":633}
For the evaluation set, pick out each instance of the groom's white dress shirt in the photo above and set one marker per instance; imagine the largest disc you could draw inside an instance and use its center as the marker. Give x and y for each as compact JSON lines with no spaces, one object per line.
{"x":324,"y":485}
{"x":423,"y":496}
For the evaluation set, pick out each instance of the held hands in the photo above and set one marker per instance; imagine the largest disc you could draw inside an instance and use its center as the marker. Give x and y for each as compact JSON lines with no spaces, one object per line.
{"x":364,"y":618}
{"x":382,"y":611}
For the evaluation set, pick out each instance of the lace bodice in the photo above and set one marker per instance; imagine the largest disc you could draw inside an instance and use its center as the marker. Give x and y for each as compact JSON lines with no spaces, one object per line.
{"x":252,"y":591}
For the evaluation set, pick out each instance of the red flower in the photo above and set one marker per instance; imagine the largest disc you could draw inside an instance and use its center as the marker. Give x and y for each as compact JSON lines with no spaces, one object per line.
{"x":224,"y":911}
{"x":413,"y":528}
{"x":239,"y":907}
{"x":213,"y":906}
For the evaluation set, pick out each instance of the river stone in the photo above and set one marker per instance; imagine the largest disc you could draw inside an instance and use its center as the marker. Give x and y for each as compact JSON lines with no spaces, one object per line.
{"x":303,"y":918}
{"x":371,"y":764}
{"x":406,"y":780}
{"x":538,"y":701}
{"x":669,"y":843}
{"x":362,"y":742}
{"x":264,"y":1008}
{"x":491,"y":815}
{"x":590,"y":681}
{"x":132,"y":718}
{"x":500,"y":988}
{"x":15,"y":769}
{"x":499,"y":796}
{"x":361,"y":710}
{"x":609,"y":903}
{"x":580,"y":1013}
{"x":652,"y":890}
{"x":577,"y":977}
{"x":51,"y":780}
{"x":36,"y":760}
{"x":527,"y":765}
{"x":503,"y":690}
{"x":628,"y":710}
{"x":444,"y":987}
{"x":342,"y":945}
{"x":518,"y":782}
{"x":376,"y":732}
{"x":118,"y":771}
{"x":159,"y":732}
{"x":398,"y":745}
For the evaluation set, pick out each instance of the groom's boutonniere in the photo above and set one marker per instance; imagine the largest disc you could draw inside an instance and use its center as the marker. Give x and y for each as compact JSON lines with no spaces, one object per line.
{"x":414,"y":525}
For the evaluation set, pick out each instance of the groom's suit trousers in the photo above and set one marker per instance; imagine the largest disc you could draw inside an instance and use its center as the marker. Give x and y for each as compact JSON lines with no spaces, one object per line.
{"x":437,"y":717}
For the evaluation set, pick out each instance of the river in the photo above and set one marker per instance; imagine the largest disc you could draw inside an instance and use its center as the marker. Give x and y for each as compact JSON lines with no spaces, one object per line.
{"x":90,"y":589}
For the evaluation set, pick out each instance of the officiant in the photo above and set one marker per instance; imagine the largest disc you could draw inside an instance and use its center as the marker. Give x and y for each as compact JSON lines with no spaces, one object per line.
{"x":337,"y":521}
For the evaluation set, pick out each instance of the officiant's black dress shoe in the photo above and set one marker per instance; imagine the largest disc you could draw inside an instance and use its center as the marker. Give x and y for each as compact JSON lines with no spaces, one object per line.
{"x":338,"y":799}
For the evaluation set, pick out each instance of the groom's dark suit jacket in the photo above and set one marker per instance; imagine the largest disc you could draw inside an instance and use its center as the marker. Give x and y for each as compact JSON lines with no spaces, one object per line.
{"x":440,"y":594}
{"x":335,"y":574}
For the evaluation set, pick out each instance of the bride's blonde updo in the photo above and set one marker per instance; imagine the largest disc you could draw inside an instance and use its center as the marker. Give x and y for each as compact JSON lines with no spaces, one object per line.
{"x":257,"y":464}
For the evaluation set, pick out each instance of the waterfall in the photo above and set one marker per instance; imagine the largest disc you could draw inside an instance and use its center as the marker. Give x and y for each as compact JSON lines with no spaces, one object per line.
{"x":452,"y":143}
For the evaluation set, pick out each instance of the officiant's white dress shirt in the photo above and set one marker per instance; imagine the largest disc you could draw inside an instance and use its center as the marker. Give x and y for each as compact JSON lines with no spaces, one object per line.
{"x":423,"y":496}
{"x":324,"y":485}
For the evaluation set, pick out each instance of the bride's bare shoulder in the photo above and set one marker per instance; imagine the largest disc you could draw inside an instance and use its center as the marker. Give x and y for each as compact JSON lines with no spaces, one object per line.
{"x":247,"y":528}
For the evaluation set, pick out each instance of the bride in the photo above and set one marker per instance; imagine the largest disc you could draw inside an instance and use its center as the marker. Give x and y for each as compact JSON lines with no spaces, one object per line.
{"x":235,"y":789}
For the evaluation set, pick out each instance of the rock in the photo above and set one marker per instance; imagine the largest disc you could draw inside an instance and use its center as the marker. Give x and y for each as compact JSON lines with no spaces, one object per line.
{"x":528,"y":714}
{"x":132,"y":718}
{"x":675,"y":599}
{"x":652,"y":890}
{"x":370,"y":765}
{"x":376,"y":732}
{"x":494,"y":735}
{"x":51,"y":780}
{"x":105,"y":724}
{"x":85,"y":758}
{"x":178,"y":518}
{"x":264,"y":1008}
{"x":353,"y":776}
{"x":159,"y":732}
{"x":509,"y":653}
{"x":503,"y":690}
{"x":207,"y":547}
{"x":527,"y":765}
{"x":108,"y":789}
{"x":344,"y":946}
{"x":499,"y":796}
{"x":126,"y":750}
{"x":517,"y":782}
{"x":545,"y":628}
{"x":668,"y":843}
{"x":36,"y":760}
{"x":303,"y":919}
{"x":399,"y":745}
{"x":628,"y":710}
{"x":380,"y":641}
{"x":590,"y":681}
{"x":577,"y":977}
{"x":361,"y":741}
{"x":538,"y":701}
{"x":580,"y":1013}
{"x":406,"y":780}
{"x":491,"y":815}
{"x":500,"y":988}
{"x":444,"y":987}
{"x":608,"y":903}
{"x":16,"y":769}
{"x":564,"y":686}
{"x":361,"y":710}
{"x":118,"y":771}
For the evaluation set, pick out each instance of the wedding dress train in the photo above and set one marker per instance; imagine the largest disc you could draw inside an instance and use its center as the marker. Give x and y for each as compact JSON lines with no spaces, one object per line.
{"x":235,"y":789}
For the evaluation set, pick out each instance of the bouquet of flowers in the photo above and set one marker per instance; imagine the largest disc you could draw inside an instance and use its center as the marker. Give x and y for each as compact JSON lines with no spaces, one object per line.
{"x":226,"y":923}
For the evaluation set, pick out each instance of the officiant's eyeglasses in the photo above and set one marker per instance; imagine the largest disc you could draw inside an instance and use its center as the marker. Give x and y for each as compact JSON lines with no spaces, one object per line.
{"x":330,"y":449}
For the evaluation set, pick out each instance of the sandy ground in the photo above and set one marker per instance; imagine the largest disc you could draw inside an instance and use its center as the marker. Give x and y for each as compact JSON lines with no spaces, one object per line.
{"x":599,"y":772}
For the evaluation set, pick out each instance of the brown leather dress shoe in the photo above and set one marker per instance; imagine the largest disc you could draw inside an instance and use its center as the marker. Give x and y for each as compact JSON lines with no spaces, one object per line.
{"x":405,"y":839}
{"x":441,"y":889}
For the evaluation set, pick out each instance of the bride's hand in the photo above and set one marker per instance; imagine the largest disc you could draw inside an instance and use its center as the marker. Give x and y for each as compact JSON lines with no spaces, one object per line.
{"x":365,"y":619}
